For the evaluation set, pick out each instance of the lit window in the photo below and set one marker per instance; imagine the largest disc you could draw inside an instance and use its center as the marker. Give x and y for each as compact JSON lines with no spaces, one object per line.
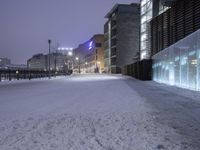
{"x":143,"y":10}
{"x":143,"y":19}
{"x":143,"y":55}
{"x":143,"y":2}
{"x":143,"y":45}
{"x":149,"y":15}
{"x":143,"y":37}
{"x":143,"y":27}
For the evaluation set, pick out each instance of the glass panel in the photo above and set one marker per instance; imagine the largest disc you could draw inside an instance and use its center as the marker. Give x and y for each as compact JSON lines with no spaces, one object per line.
{"x":143,"y":45}
{"x":143,"y":9}
{"x":171,"y":65}
{"x":149,"y":15}
{"x":198,"y":68}
{"x":143,"y":27}
{"x":198,"y":60}
{"x":179,"y":64}
{"x":143,"y":20}
{"x":192,"y":62}
{"x":143,"y":37}
{"x":143,"y":2}
{"x":184,"y":67}
{"x":192,"y":66}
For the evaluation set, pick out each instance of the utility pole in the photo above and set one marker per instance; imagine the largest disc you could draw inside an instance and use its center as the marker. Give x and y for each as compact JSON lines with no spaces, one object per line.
{"x":49,"y":42}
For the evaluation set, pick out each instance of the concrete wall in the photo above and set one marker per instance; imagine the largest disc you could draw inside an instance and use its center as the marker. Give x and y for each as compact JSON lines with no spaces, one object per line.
{"x":128,"y":30}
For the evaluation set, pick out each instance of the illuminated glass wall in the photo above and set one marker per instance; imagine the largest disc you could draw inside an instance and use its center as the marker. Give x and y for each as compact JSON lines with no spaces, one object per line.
{"x":179,"y":64}
{"x":146,"y":16}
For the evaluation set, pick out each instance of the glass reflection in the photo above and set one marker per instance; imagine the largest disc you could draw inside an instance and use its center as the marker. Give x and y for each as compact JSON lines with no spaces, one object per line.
{"x":179,"y":64}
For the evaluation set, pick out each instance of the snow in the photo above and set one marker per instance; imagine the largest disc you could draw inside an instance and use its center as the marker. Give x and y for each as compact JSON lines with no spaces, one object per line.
{"x":83,"y":112}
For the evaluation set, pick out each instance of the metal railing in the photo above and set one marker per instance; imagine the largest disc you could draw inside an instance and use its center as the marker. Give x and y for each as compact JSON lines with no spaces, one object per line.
{"x":19,"y":74}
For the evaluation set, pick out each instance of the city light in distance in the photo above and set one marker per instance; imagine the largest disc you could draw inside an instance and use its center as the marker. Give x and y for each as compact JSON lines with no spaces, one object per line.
{"x":65,"y":48}
{"x":90,"y":45}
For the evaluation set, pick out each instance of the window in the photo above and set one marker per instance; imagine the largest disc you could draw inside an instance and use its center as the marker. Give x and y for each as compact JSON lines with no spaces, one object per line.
{"x":98,"y":45}
{"x":143,"y":27}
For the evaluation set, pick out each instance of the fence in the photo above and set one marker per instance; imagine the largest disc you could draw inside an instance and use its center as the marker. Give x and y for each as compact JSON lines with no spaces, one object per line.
{"x":18,"y":74}
{"x":141,"y":70}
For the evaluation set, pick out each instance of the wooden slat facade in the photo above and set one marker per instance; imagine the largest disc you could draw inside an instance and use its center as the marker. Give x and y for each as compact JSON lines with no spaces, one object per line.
{"x":175,"y":24}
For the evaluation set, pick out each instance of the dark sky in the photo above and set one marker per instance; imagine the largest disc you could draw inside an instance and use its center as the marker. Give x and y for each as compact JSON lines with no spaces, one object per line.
{"x":26,"y":25}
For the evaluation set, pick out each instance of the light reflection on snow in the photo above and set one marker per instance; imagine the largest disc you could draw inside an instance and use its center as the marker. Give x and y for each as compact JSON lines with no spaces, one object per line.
{"x":86,"y":78}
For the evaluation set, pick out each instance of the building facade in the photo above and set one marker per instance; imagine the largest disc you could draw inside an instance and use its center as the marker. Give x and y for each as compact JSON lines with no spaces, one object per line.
{"x":58,"y":62}
{"x":107,"y":47}
{"x":38,"y":61}
{"x":5,"y":61}
{"x":91,"y":55}
{"x":182,"y":19}
{"x":145,"y":33}
{"x":175,"y":44}
{"x":121,"y":33}
{"x":149,"y":10}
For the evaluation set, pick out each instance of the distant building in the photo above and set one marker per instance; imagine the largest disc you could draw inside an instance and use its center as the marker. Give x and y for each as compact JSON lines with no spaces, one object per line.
{"x":5,"y":61}
{"x":122,"y":36}
{"x":58,"y":61}
{"x":38,"y":61}
{"x":91,"y":55}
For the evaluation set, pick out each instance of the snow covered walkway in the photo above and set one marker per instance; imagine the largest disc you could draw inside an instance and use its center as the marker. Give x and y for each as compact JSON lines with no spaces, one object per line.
{"x":97,"y":112}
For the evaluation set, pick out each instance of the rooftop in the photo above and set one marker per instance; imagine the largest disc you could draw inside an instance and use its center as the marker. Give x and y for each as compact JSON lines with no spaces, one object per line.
{"x":116,"y":6}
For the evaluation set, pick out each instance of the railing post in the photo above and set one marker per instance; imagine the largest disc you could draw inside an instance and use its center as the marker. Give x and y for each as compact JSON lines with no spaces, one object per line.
{"x":0,"y":75}
{"x":24,"y":74}
{"x":29,"y":75}
{"x":9,"y":75}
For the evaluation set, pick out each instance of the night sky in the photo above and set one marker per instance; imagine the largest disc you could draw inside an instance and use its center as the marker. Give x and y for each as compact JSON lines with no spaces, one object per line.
{"x":26,"y":25}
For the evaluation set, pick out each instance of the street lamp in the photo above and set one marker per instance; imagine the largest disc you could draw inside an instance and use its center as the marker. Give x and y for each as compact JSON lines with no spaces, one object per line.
{"x":86,"y":69}
{"x":79,"y":69}
{"x":49,"y":42}
{"x":70,"y":53}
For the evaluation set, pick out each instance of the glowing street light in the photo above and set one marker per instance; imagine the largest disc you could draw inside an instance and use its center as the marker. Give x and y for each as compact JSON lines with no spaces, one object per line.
{"x":49,"y":42}
{"x":70,"y":53}
{"x":79,"y":67}
{"x":65,"y":48}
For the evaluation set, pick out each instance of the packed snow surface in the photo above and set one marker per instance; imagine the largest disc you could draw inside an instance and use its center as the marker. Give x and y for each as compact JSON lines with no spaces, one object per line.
{"x":97,"y":112}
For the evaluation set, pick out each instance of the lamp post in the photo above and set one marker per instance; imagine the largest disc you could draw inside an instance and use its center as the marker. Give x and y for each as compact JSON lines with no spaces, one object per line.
{"x":49,"y":42}
{"x":98,"y":66}
{"x":79,"y":69}
{"x":86,"y":69}
{"x":69,"y":59}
